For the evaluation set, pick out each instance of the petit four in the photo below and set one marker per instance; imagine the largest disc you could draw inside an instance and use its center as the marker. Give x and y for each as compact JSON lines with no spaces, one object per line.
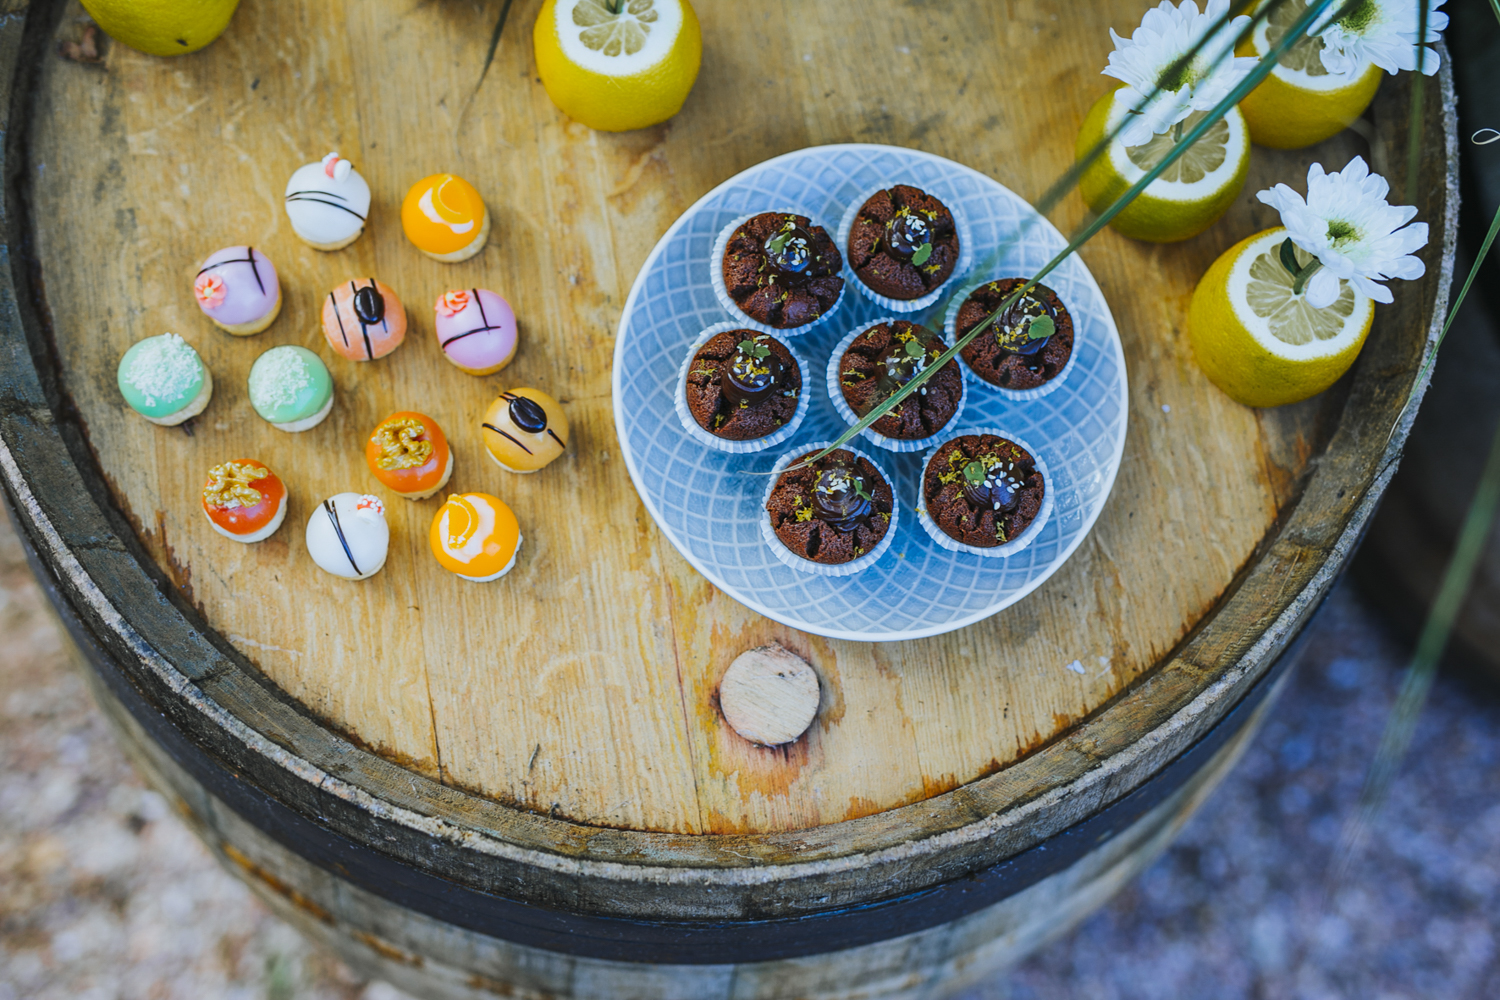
{"x":982,"y":489}
{"x":328,"y":203}
{"x":164,"y":380}
{"x":903,"y":243}
{"x":782,"y":270}
{"x":743,"y":385}
{"x":238,"y":289}
{"x":347,"y":535}
{"x":244,"y":500}
{"x":1018,"y":351}
{"x":524,"y":430}
{"x":408,"y":453}
{"x":363,"y":320}
{"x":290,"y":388}
{"x":445,"y":218}
{"x":833,"y":511}
{"x":880,"y":360}
{"x":476,"y":330}
{"x":476,"y":536}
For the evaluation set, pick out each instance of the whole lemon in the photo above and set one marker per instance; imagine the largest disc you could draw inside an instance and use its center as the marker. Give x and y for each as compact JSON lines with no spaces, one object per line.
{"x":162,"y":27}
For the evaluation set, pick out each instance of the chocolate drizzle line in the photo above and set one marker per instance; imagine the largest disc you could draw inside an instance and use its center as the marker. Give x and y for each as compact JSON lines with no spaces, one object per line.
{"x":239,"y":260}
{"x":308,"y":196}
{"x":510,"y":439}
{"x":333,"y":515}
{"x":560,"y":442}
{"x":478,"y":329}
{"x":336,"y":315}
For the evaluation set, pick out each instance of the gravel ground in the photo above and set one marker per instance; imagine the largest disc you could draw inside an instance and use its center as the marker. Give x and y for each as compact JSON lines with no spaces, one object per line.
{"x":104,"y":894}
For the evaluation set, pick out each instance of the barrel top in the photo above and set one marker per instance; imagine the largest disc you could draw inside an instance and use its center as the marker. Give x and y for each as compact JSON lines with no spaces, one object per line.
{"x":583,"y":688}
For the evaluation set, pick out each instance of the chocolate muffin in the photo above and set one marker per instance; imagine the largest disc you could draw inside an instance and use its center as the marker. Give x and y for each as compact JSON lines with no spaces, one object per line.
{"x":782,"y":270}
{"x":884,"y":358}
{"x":1007,"y":354}
{"x":832,"y":511}
{"x":903,"y":243}
{"x":982,"y":490}
{"x":743,"y":385}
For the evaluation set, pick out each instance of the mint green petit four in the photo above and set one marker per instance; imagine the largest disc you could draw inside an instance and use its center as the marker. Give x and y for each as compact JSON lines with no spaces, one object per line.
{"x":161,"y":376}
{"x":290,"y":387}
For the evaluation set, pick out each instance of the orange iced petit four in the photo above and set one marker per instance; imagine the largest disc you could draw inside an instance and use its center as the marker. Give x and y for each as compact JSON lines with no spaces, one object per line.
{"x":476,"y":536}
{"x":363,"y":320}
{"x":408,"y":453}
{"x":524,"y":430}
{"x":445,"y":218}
{"x":244,"y":500}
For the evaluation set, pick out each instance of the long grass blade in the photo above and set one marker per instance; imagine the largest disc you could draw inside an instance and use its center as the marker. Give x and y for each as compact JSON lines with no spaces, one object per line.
{"x":1402,"y":724}
{"x":1249,"y":83}
{"x":1436,"y":630}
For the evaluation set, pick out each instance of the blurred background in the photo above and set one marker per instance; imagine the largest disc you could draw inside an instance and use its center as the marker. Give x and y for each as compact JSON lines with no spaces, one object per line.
{"x":104,"y":894}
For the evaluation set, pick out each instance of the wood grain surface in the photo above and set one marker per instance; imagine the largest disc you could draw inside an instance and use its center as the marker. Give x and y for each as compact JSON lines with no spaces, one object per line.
{"x":583,"y":684}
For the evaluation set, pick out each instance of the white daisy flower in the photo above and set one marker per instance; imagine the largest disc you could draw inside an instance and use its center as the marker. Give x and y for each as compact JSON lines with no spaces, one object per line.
{"x":1383,"y":32}
{"x":1347,"y":226}
{"x":1146,"y":62}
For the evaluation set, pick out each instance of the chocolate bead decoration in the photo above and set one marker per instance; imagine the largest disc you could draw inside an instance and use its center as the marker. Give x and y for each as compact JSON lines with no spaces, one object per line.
{"x":528,"y":415}
{"x":369,"y":305}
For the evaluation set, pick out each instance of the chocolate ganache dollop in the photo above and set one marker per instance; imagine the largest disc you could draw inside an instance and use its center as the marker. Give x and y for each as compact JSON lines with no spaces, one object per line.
{"x":789,"y":250}
{"x":753,"y":373}
{"x":994,"y":485}
{"x":906,"y":233}
{"x":840,"y":498}
{"x":1014,"y":328}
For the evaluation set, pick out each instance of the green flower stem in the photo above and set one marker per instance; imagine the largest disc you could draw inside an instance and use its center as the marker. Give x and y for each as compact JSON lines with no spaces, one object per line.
{"x":1299,"y":282}
{"x":1262,"y":69}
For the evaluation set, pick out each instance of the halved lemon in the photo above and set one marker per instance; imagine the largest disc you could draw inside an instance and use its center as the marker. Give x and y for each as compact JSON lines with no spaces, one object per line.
{"x":1260,"y":343}
{"x":1300,"y":102}
{"x":1186,"y":199}
{"x":616,"y":65}
{"x":162,"y":27}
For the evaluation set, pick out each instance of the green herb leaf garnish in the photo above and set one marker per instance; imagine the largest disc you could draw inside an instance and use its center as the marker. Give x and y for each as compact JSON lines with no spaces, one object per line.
{"x":1040,"y":328}
{"x":923,"y":252}
{"x":974,"y":472}
{"x":859,"y":489}
{"x":914,"y":349}
{"x":779,"y":241}
{"x":751,"y":349}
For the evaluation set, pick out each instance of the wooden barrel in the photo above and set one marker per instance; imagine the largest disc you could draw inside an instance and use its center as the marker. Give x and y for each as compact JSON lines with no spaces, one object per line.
{"x":527,"y":789}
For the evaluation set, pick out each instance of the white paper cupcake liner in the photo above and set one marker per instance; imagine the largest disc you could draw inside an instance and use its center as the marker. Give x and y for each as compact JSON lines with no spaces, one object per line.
{"x":1016,"y":544}
{"x":716,"y":279}
{"x":703,"y":437}
{"x":965,"y":254}
{"x":836,"y":395}
{"x":950,"y":330}
{"x":790,"y":558}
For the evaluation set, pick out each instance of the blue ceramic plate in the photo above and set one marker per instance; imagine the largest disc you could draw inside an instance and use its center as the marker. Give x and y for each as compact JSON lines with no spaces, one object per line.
{"x":709,"y":508}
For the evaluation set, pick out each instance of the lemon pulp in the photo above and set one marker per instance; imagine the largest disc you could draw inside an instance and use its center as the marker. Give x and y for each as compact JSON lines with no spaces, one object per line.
{"x":1260,"y":343}
{"x":616,"y":70}
{"x":1188,"y":197}
{"x":1300,"y":102}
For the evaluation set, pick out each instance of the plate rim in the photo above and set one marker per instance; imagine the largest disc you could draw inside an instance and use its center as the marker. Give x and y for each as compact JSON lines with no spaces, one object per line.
{"x":616,"y":392}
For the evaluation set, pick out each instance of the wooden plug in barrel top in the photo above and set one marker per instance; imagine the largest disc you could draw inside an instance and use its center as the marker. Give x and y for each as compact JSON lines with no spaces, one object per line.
{"x":769,"y":695}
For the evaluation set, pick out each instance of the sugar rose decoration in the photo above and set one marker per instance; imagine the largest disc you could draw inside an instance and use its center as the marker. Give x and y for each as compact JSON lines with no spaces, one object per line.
{"x":210,"y":290}
{"x":450,"y":304}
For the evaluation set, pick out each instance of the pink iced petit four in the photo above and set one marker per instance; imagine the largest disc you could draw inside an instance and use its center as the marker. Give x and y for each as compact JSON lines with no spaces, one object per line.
{"x":476,"y":330}
{"x":237,"y":289}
